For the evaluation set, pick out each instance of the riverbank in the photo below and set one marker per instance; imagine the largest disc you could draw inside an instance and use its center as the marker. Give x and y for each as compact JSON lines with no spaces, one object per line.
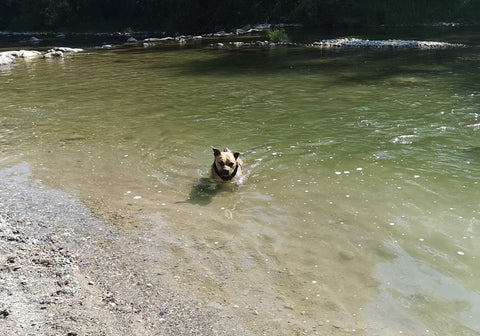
{"x":38,"y":44}
{"x":65,"y":272}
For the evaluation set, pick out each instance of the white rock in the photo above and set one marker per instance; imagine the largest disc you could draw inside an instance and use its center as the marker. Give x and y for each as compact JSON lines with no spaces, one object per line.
{"x":359,"y":43}
{"x":67,"y":49}
{"x":6,"y":58}
{"x":53,"y":54}
{"x":265,"y":26}
{"x":28,"y":53}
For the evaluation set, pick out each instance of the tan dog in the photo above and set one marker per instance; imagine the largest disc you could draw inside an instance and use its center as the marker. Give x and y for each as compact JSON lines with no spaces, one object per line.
{"x":226,"y":166}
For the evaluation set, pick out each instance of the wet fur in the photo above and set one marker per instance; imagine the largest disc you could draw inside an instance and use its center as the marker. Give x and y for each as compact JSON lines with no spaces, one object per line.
{"x":227,"y":166}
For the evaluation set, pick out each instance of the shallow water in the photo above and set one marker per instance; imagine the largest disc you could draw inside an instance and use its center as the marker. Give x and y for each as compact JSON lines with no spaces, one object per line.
{"x":360,"y":211}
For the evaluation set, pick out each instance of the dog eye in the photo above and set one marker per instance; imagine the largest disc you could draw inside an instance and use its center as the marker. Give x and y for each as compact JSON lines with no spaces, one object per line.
{"x":230,"y":164}
{"x":220,"y":163}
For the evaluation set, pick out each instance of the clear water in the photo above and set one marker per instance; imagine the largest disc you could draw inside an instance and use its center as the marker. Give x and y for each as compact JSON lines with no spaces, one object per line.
{"x":360,"y":214}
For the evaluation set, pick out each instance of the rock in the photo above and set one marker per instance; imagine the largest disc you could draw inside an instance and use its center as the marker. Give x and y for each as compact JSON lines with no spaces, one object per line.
{"x":240,"y":31}
{"x":152,"y":39}
{"x":359,"y":43}
{"x":4,"y":313}
{"x":6,"y":58}
{"x":221,"y":34}
{"x":53,"y":54}
{"x":263,"y":27}
{"x":67,"y":49}
{"x":28,"y":53}
{"x":156,"y":39}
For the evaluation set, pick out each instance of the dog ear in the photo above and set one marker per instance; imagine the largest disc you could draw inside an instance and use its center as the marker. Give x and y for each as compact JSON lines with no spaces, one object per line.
{"x":216,"y":152}
{"x":236,"y":155}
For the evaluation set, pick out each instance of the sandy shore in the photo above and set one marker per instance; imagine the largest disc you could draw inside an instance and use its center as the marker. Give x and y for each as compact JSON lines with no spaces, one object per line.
{"x":65,"y":272}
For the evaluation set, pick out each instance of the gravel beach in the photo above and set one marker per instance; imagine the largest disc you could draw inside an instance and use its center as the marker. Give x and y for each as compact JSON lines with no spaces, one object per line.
{"x":65,"y":272}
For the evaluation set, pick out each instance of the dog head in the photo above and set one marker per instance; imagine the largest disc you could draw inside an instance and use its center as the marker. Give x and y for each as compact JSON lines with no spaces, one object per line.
{"x":226,"y":163}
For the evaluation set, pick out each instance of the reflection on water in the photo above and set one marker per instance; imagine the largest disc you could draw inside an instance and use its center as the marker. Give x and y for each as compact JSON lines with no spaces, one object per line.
{"x":360,"y":211}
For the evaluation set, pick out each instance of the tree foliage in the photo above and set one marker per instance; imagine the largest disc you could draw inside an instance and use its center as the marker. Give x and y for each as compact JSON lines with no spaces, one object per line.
{"x":210,"y":15}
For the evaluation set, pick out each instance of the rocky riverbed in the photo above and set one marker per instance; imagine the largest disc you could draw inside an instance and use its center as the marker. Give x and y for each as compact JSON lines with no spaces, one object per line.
{"x":65,"y":272}
{"x":247,"y":36}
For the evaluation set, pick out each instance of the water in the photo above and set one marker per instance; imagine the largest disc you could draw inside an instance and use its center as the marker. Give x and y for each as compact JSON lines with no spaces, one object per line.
{"x":360,"y":212}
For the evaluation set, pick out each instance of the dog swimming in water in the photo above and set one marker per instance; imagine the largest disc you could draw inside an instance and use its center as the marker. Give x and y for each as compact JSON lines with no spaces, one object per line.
{"x":227,"y":166}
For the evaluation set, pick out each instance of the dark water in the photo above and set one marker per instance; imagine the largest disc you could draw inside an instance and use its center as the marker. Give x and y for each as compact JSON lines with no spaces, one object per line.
{"x":360,"y":211}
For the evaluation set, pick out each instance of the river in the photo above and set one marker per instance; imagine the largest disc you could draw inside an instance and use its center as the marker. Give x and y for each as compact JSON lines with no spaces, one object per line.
{"x":359,"y":214}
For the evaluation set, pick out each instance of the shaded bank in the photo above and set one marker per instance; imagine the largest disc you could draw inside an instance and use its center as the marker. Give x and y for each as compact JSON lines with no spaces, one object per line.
{"x":201,"y":16}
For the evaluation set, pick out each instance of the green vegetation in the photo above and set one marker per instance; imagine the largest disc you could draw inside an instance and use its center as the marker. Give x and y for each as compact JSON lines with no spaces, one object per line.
{"x":278,"y":35}
{"x":189,"y":16}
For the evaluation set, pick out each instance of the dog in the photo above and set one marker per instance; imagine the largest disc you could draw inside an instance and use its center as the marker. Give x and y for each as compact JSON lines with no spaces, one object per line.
{"x":226,"y":166}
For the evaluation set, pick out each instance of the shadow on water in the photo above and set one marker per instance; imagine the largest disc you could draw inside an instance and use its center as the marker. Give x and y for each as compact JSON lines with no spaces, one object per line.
{"x":202,"y":192}
{"x":205,"y":190}
{"x":341,"y":67}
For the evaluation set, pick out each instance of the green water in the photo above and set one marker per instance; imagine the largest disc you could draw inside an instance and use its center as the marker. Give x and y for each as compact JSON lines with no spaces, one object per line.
{"x":360,"y":212}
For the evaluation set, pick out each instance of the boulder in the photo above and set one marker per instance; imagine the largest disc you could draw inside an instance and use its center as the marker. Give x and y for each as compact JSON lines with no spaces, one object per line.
{"x":53,"y":54}
{"x":28,"y":54}
{"x":6,"y":58}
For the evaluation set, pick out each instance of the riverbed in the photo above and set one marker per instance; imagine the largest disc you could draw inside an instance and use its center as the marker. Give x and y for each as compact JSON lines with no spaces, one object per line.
{"x":359,"y":213}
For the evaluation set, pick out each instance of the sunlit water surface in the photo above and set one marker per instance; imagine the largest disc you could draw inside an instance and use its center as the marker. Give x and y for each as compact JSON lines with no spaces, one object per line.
{"x":360,"y":213}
